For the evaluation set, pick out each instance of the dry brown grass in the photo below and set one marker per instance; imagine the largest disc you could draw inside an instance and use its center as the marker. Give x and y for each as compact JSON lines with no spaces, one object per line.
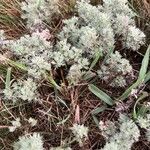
{"x":10,"y":20}
{"x":144,"y":7}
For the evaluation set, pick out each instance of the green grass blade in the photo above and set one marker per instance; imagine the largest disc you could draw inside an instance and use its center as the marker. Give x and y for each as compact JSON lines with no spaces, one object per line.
{"x":8,"y":78}
{"x":147,"y":78}
{"x":17,"y":65}
{"x":98,"y":110}
{"x":97,"y":57}
{"x":89,"y":75}
{"x":96,"y":120}
{"x":100,"y":94}
{"x":52,"y":81}
{"x":145,"y":63}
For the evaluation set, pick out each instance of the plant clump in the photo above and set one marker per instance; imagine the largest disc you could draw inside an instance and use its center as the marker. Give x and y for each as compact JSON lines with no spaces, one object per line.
{"x":30,"y":142}
{"x":121,"y":137}
{"x":37,"y":11}
{"x":25,"y":90}
{"x":54,"y":66}
{"x":115,"y":69}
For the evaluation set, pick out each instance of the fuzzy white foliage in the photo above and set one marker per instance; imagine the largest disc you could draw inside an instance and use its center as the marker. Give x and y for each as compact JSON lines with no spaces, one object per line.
{"x":88,"y":38}
{"x":124,"y":24}
{"x":15,"y":124}
{"x":3,"y":40}
{"x":119,"y":81}
{"x":32,"y":121}
{"x":35,"y":42}
{"x":25,"y":90}
{"x":68,"y":54}
{"x":114,"y":17}
{"x":74,"y":75}
{"x":36,"y":11}
{"x":118,"y":7}
{"x":92,"y":29}
{"x":101,"y":21}
{"x":70,"y":31}
{"x":116,"y":68}
{"x":80,"y":133}
{"x":108,"y":129}
{"x":84,"y":38}
{"x":38,"y":54}
{"x":112,"y":146}
{"x":123,"y":138}
{"x":29,"y":142}
{"x":81,"y":37}
{"x":144,"y":122}
{"x":121,"y":24}
{"x":95,"y":28}
{"x":34,"y":51}
{"x":135,"y":38}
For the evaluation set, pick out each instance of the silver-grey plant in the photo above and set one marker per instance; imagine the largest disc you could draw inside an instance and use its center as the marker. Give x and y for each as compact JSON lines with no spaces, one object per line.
{"x":25,"y":90}
{"x":34,"y":51}
{"x":29,"y":142}
{"x":80,"y":133}
{"x":122,"y":137}
{"x":37,"y":11}
{"x":94,"y":30}
{"x":144,"y":122}
{"x":115,"y":69}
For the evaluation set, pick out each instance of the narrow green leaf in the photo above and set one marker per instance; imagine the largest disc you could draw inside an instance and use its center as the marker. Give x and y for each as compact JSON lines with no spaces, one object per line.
{"x":97,"y":56}
{"x":89,"y":75}
{"x":100,"y":94}
{"x":17,"y":65}
{"x":52,"y":81}
{"x":145,"y":63}
{"x":147,"y":78}
{"x":98,"y":110}
{"x":8,"y":78}
{"x":96,"y":120}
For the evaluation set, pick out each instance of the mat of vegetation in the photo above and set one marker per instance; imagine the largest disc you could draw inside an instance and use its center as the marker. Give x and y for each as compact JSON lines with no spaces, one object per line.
{"x":74,"y":75}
